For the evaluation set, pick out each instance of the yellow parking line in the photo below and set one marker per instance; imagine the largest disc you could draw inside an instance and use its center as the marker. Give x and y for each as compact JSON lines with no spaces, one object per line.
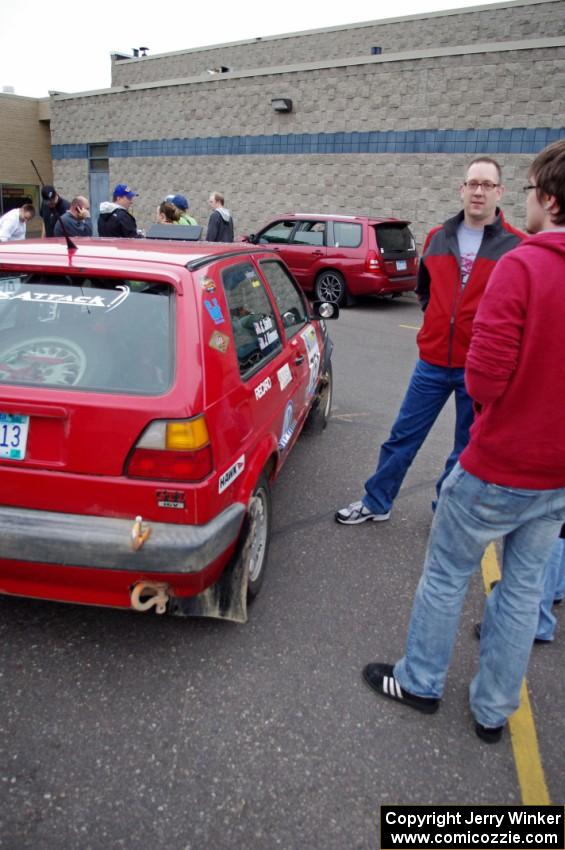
{"x":529,"y":769}
{"x":410,"y":327}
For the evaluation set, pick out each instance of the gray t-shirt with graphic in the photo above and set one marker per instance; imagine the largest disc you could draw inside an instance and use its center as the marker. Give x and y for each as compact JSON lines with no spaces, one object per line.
{"x":469,"y":240}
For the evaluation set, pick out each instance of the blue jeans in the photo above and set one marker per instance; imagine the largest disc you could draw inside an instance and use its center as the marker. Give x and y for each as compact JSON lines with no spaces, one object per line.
{"x":471,"y":514}
{"x":428,"y":390}
{"x":554,"y":588}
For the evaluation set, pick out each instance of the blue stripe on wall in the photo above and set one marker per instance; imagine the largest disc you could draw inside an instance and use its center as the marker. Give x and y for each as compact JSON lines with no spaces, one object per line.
{"x":516,"y":140}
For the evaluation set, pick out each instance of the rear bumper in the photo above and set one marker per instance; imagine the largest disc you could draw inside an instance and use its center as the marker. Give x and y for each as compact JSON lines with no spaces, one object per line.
{"x":370,"y":283}
{"x":105,"y":543}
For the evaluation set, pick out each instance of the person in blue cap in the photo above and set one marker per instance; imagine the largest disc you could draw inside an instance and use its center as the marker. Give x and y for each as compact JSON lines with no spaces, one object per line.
{"x":182,"y":205}
{"x":115,"y":217}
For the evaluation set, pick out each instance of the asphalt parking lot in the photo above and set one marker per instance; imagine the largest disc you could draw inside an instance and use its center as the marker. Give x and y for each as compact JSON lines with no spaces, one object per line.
{"x":128,"y":731}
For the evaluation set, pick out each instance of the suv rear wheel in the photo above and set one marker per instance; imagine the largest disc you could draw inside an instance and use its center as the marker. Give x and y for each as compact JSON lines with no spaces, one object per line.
{"x":330,"y":286}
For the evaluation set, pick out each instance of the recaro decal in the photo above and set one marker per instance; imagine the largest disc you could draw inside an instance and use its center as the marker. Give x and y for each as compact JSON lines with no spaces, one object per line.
{"x":263,"y":388}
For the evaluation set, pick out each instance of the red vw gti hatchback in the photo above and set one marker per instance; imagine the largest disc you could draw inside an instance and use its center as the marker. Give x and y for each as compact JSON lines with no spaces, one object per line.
{"x":150,"y":393}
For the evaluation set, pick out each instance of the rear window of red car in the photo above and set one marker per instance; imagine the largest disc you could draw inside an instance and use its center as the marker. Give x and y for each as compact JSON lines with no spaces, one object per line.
{"x":89,"y":333}
{"x":394,"y":238}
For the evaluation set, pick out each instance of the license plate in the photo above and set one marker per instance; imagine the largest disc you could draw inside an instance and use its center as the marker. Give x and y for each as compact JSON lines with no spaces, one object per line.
{"x":401,"y":265}
{"x":13,"y":436}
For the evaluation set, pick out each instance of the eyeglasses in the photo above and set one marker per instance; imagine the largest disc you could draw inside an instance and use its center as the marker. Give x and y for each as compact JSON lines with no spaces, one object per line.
{"x":485,"y":185}
{"x":527,"y":188}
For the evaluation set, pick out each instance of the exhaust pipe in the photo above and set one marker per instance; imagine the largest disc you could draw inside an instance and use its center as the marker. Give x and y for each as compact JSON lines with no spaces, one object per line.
{"x":147,"y":594}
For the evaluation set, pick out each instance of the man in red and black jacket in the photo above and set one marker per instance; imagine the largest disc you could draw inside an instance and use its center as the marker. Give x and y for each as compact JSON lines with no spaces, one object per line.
{"x":457,"y":261}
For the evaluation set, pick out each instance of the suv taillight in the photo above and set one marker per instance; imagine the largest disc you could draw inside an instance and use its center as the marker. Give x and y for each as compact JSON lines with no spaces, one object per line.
{"x":372,"y":263}
{"x":175,"y":450}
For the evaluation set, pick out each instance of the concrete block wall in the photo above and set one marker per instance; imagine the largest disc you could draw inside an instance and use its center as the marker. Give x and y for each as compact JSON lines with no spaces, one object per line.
{"x":480,"y":90}
{"x":504,"y":22}
{"x":423,"y":188}
{"x":502,"y":89}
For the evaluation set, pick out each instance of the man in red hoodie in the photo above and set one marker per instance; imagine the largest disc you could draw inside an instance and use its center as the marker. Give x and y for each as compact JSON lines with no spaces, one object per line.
{"x":510,"y":480}
{"x":457,"y":261}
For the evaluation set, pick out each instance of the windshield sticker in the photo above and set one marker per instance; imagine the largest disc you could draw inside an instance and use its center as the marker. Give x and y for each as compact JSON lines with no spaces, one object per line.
{"x":313,"y":349}
{"x":289,"y":426}
{"x":214,"y":310}
{"x":219,"y":341}
{"x":263,"y":388}
{"x":48,"y":312}
{"x":231,"y":474}
{"x":284,"y":375}
{"x":266,"y":333}
{"x":207,"y":284}
{"x":72,"y":300}
{"x":10,"y":284}
{"x":251,"y":276}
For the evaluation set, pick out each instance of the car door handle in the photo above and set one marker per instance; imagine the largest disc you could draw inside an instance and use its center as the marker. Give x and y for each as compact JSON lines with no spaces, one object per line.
{"x":318,"y":253}
{"x":298,"y":360}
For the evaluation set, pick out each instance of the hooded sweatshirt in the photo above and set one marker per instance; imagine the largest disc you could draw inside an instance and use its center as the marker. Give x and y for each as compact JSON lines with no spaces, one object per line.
{"x":220,"y":226}
{"x":515,"y":369}
{"x":114,"y":220}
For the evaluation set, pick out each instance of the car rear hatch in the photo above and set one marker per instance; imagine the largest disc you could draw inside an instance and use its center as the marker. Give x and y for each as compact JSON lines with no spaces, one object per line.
{"x":397,"y":249}
{"x":86,"y":364}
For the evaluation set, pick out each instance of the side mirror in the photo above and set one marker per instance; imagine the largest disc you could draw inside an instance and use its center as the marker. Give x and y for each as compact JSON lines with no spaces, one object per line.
{"x":325,"y":310}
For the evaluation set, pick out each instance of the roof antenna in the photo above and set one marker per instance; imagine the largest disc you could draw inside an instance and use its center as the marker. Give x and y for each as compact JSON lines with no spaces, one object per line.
{"x":70,"y":244}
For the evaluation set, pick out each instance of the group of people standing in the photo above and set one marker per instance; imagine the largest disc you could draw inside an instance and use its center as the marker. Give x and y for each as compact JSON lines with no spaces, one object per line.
{"x":60,"y":217}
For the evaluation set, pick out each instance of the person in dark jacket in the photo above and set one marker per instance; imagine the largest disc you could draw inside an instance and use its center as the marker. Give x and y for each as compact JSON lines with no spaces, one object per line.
{"x":220,"y":223}
{"x":115,"y":218}
{"x":52,"y":208}
{"x":457,"y":261}
{"x":76,"y":221}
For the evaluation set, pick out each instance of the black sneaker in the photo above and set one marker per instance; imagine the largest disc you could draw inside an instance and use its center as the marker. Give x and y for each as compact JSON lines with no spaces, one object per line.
{"x":356,"y":512}
{"x":380,"y":678}
{"x":490,"y":734}
{"x":477,"y":631}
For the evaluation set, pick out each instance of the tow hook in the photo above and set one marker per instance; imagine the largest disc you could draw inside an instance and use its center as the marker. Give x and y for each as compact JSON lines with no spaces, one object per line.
{"x":139,"y":534}
{"x":145,"y":595}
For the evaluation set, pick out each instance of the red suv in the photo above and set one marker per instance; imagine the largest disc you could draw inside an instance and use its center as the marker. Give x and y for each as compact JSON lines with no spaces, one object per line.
{"x":149,"y":395}
{"x":336,"y":256}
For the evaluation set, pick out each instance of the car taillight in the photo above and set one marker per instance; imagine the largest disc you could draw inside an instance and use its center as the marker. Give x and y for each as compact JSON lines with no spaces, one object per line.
{"x":372,"y":263}
{"x":176,"y":450}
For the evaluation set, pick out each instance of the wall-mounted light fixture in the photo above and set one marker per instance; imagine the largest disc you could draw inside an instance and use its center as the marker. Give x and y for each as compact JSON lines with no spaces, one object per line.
{"x":281,"y":104}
